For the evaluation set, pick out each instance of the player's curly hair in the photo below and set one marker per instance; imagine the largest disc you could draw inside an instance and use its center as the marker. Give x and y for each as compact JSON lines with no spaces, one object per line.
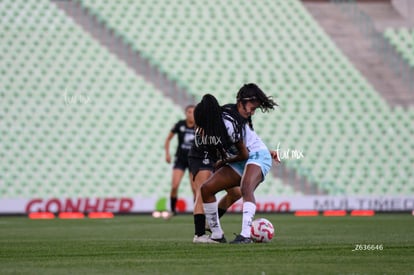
{"x":251,"y":92}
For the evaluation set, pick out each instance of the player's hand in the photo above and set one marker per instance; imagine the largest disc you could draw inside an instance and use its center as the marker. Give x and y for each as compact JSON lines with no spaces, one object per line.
{"x":168,"y":158}
{"x":219,"y":164}
{"x":274,"y":156}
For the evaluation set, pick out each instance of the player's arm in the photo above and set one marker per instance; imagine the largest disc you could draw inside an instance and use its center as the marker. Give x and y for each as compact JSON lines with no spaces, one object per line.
{"x":167,"y":147}
{"x":243,"y":154}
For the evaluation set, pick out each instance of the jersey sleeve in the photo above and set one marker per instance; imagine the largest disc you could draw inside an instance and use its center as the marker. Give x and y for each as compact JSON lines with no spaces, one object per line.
{"x":176,"y":128}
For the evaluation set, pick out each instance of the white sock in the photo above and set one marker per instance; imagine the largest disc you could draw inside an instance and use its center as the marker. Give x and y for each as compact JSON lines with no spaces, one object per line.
{"x":211,"y":212}
{"x":249,"y":209}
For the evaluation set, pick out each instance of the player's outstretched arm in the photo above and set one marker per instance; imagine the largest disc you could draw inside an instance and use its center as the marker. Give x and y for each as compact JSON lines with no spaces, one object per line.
{"x":274,"y":155}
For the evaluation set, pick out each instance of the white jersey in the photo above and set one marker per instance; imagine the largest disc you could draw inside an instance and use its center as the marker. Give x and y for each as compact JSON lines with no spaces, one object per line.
{"x":252,"y":141}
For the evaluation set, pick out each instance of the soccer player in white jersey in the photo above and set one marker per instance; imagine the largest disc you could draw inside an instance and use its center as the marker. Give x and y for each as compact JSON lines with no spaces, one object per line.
{"x":245,"y":159}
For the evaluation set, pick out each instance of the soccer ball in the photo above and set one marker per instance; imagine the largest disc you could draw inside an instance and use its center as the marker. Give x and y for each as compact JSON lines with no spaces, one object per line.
{"x":262,"y":231}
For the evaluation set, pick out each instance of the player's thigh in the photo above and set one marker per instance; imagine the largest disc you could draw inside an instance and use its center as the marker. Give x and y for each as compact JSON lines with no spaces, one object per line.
{"x":223,"y":179}
{"x":201,"y":177}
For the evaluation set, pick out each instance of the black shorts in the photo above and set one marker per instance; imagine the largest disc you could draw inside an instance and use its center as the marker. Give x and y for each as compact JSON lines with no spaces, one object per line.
{"x":198,"y":164}
{"x":180,"y":163}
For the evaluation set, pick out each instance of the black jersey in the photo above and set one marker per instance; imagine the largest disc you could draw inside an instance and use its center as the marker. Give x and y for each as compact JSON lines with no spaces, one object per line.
{"x":214,"y":148}
{"x":235,"y":125}
{"x":200,"y":150}
{"x":185,"y":138}
{"x":201,"y":157}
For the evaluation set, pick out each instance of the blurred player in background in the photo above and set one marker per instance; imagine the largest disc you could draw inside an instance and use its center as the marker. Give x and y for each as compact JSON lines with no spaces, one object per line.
{"x":245,"y":159}
{"x":185,"y":131}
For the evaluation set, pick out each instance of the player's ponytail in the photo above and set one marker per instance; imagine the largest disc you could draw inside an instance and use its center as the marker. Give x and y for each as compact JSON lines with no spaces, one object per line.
{"x":208,"y":116}
{"x":207,"y":113}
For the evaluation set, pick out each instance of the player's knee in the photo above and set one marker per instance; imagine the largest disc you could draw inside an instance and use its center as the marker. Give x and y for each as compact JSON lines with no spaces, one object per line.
{"x":175,"y":184}
{"x":235,"y":194}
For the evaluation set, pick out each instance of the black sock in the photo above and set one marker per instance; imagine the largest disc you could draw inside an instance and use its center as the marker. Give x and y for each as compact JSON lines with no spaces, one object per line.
{"x":221,"y":212}
{"x":200,"y":224}
{"x":173,"y":202}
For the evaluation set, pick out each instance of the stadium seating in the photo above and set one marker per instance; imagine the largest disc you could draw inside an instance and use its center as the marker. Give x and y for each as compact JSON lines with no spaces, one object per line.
{"x":77,"y":122}
{"x":327,"y":109}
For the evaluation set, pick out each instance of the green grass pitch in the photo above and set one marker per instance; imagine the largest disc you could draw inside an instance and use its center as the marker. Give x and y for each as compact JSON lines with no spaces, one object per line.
{"x":143,"y":245}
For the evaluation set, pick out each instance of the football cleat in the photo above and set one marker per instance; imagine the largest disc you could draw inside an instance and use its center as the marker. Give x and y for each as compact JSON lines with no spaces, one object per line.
{"x":203,"y":239}
{"x":221,"y":240}
{"x":241,"y":240}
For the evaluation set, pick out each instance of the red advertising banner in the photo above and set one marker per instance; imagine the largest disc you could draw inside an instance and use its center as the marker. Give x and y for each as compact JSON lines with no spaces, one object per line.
{"x":264,"y":204}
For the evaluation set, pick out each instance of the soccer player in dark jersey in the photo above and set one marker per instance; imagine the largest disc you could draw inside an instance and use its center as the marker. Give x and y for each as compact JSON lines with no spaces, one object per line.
{"x":185,"y":132}
{"x":201,"y":164}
